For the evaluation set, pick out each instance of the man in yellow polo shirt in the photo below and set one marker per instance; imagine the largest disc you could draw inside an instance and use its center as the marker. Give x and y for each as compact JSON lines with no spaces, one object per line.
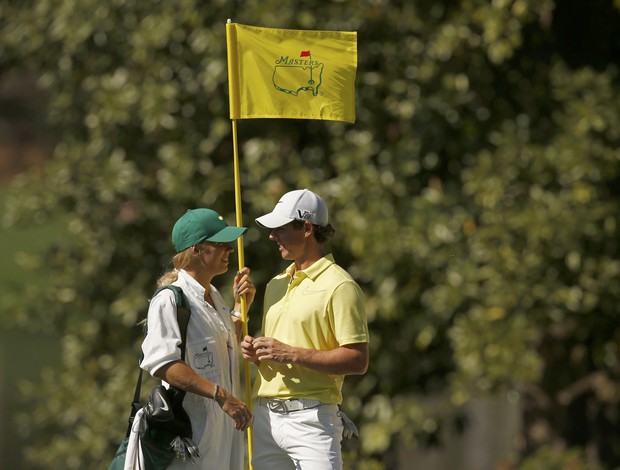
{"x":314,"y":333}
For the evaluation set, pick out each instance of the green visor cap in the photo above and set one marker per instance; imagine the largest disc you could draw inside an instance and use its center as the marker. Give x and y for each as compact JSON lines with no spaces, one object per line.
{"x":199,"y":225}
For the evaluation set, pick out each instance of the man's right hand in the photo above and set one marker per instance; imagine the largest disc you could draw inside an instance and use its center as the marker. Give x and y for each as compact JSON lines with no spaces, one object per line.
{"x":247,"y":346}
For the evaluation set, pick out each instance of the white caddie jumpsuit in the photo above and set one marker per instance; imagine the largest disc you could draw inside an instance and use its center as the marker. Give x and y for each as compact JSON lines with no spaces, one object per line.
{"x":212,"y":351}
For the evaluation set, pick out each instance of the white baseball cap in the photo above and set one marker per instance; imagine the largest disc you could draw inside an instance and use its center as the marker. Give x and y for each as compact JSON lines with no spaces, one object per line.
{"x":301,"y":204}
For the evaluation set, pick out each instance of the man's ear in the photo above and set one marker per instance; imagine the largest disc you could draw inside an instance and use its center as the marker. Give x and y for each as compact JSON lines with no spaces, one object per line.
{"x":308,"y":228}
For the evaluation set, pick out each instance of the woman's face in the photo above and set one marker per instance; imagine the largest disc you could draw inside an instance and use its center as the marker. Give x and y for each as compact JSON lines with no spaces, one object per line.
{"x":214,"y":256}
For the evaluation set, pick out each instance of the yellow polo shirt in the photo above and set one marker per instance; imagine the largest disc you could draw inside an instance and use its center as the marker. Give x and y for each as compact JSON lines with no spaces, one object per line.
{"x":321,"y":308}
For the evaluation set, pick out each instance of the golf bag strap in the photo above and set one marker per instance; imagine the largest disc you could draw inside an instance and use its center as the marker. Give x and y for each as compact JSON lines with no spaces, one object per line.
{"x":183,"y":313}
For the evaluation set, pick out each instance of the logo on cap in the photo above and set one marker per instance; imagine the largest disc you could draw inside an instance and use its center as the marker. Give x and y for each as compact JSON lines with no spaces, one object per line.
{"x":304,"y":214}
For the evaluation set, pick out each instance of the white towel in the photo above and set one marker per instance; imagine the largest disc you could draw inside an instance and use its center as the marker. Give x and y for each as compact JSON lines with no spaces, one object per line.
{"x":134,"y":459}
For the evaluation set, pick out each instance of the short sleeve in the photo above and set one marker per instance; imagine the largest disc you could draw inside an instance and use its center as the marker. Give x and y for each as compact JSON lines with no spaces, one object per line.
{"x":348,"y":309}
{"x":163,"y":339}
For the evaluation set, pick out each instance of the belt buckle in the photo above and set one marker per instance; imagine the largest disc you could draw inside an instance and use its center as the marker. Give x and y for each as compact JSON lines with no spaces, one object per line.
{"x":277,"y":406}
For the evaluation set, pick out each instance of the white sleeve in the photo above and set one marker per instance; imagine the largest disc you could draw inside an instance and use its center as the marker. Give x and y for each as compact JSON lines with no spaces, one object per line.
{"x":163,"y":339}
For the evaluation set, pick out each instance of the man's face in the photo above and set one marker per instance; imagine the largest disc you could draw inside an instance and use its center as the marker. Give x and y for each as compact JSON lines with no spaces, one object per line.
{"x":290,"y":240}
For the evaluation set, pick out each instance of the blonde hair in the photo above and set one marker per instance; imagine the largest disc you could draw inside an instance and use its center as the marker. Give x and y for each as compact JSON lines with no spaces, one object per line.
{"x":179,"y":261}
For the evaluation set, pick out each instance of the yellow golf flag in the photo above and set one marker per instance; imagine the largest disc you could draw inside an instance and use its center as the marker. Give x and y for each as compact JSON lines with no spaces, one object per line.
{"x":287,"y":73}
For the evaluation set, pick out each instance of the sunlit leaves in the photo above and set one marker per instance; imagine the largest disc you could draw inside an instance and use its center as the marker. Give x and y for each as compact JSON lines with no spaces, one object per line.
{"x":475,"y":199}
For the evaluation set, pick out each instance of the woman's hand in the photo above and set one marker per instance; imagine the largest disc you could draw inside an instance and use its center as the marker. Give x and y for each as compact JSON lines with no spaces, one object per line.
{"x":243,"y":285}
{"x":235,"y":408}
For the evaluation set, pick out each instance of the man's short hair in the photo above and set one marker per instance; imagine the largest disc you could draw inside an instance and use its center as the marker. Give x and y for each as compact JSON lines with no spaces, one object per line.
{"x":321,"y":233}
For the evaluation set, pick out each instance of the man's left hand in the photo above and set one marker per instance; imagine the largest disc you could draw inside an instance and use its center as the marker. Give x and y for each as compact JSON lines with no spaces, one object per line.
{"x":270,"y":349}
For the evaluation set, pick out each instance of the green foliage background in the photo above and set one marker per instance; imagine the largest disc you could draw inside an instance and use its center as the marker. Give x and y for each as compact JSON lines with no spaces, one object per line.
{"x":475,"y":200}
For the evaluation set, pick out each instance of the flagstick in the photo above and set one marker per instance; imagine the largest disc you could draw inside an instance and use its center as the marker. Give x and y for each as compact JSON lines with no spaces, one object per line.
{"x":244,"y":308}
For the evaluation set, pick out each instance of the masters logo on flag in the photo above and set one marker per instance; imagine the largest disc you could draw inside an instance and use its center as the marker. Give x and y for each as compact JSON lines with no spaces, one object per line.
{"x":280,"y":73}
{"x":293,"y":75}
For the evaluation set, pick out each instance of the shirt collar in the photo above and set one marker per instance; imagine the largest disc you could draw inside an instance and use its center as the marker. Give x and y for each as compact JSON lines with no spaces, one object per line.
{"x":195,"y":287}
{"x":315,"y":269}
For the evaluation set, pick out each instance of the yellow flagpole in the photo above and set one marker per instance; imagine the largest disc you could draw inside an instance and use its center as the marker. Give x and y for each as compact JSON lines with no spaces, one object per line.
{"x":244,"y":308}
{"x":233,"y":87}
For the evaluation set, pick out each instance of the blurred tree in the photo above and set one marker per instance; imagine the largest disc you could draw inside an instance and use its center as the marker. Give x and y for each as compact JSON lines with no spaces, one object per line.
{"x":475,"y":199}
